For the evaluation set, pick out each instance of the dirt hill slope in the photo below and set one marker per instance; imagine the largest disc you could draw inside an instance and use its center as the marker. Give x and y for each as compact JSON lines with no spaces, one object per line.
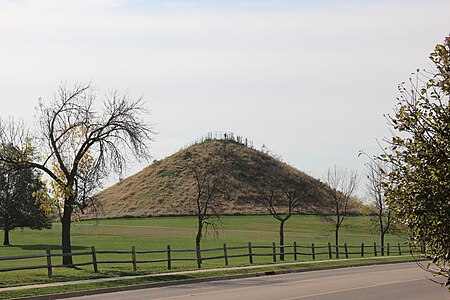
{"x":166,"y":188}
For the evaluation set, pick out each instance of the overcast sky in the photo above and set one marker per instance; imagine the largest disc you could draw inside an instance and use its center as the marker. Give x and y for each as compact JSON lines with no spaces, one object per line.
{"x":309,"y":79}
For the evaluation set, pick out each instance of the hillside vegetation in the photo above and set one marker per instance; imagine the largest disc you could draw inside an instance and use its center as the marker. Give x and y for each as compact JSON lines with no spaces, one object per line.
{"x":165,"y":188}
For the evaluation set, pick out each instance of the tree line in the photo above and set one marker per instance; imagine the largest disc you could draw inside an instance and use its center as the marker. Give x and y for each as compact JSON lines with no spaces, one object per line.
{"x":77,"y":144}
{"x":282,"y":191}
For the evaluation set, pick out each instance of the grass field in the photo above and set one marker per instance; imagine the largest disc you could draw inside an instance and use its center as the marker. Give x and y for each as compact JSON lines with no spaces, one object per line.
{"x":156,"y":233}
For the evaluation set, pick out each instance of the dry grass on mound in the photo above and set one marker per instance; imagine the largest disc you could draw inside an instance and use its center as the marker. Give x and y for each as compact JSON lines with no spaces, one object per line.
{"x":164,"y":187}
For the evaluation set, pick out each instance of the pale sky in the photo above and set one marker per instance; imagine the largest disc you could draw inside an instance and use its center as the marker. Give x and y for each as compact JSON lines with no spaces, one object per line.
{"x":309,"y":79}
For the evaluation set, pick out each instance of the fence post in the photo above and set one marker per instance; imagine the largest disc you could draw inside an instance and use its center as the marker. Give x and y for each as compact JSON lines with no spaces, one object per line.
{"x":225,"y":254}
{"x":94,"y":259}
{"x":375,"y":248}
{"x":169,"y":259}
{"x":250,"y":253}
{"x":329,"y":250}
{"x":362,"y":249}
{"x":346,"y":250}
{"x":313,"y":251}
{"x":274,"y":252}
{"x":49,"y":263}
{"x":388,"y":250}
{"x":295,"y":250}
{"x":133,"y":258}
{"x":399,"y":249}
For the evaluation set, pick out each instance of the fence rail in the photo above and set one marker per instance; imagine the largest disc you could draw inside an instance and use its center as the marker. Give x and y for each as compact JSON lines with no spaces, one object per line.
{"x":250,"y":251}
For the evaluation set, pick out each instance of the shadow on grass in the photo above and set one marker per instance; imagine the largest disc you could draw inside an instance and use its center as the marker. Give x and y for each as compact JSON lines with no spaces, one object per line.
{"x":44,"y":247}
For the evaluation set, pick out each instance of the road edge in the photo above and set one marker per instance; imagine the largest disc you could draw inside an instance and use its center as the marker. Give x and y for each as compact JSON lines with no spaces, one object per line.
{"x":197,"y":280}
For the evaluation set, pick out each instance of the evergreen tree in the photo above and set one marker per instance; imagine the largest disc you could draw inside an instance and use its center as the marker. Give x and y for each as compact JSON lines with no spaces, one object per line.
{"x":18,"y":205}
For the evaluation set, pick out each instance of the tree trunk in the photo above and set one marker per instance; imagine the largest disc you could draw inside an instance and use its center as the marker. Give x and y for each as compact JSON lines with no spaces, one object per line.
{"x":6,"y":236}
{"x":282,"y":240}
{"x":380,"y":220}
{"x":198,"y":240}
{"x":66,"y":244}
{"x":6,"y":227}
{"x":336,"y":236}
{"x":338,"y":224}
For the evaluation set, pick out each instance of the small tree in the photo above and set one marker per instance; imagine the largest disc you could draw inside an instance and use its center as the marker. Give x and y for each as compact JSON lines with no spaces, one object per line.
{"x":342,"y":183}
{"x":80,"y":144}
{"x":19,"y":205}
{"x":418,"y":183}
{"x":210,"y":179}
{"x":383,"y":221}
{"x":282,"y":195}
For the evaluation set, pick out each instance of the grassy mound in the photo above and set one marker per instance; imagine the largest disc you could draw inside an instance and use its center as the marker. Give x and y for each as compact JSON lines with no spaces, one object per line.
{"x":166,"y":189}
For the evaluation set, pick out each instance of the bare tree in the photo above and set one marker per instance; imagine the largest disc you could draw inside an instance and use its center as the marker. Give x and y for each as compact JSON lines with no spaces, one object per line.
{"x":282,"y":195}
{"x":342,"y":183}
{"x":210,"y":178}
{"x":376,"y":175}
{"x":80,"y":145}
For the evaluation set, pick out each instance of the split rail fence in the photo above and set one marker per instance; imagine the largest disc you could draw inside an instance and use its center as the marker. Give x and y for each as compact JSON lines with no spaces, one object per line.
{"x":169,"y":255}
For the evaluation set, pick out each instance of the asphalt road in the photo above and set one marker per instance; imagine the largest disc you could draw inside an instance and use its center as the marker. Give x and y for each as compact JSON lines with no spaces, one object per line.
{"x":394,"y":281}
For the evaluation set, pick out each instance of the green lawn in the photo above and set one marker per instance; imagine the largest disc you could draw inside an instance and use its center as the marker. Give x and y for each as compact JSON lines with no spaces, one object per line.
{"x":156,"y":233}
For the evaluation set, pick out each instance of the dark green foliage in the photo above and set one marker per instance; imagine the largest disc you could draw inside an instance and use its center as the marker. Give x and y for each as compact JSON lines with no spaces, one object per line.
{"x":18,"y":207}
{"x":418,"y":186}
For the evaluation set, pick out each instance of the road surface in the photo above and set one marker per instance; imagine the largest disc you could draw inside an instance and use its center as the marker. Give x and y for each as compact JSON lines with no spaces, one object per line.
{"x":393,"y":281}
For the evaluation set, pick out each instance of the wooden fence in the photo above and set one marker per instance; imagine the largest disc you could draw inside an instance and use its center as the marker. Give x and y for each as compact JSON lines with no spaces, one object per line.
{"x":222,"y":136}
{"x":250,"y":251}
